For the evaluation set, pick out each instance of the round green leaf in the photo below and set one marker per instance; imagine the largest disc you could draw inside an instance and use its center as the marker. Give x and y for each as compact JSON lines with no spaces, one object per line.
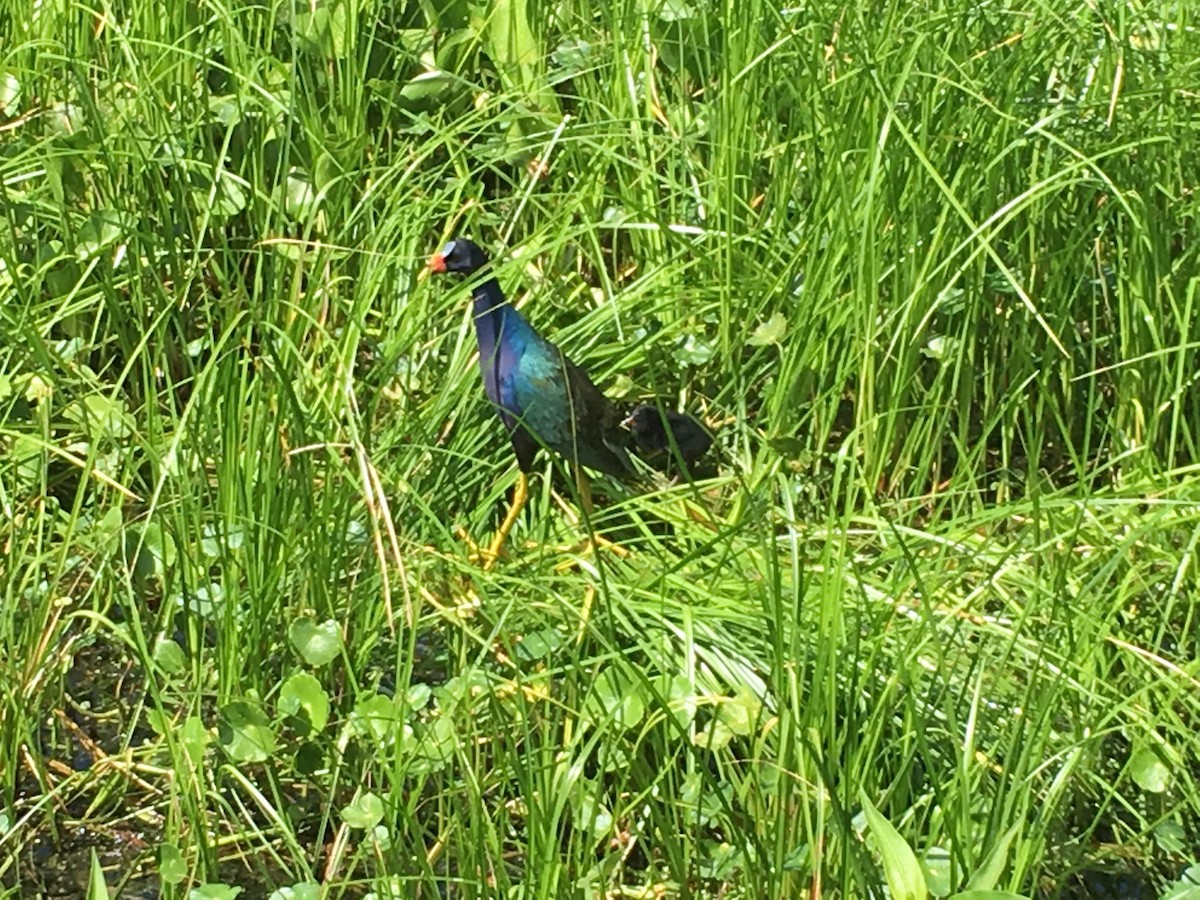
{"x":591,"y":813}
{"x":245,"y":732}
{"x":10,"y":94}
{"x":613,"y":697}
{"x":169,"y":656}
{"x":740,"y":714}
{"x":426,"y":86}
{"x":769,"y":332}
{"x":317,"y":644}
{"x":300,"y":199}
{"x":304,"y":890}
{"x":375,"y":717}
{"x":418,"y":696}
{"x":302,"y":692}
{"x":1149,"y":771}
{"x":539,"y":644}
{"x":681,"y":700}
{"x":151,"y":553}
{"x":214,"y":892}
{"x":102,"y":229}
{"x":365,"y":811}
{"x":309,"y":758}
{"x":172,"y":867}
{"x":694,"y":351}
{"x":159,"y":721}
{"x":194,"y":737}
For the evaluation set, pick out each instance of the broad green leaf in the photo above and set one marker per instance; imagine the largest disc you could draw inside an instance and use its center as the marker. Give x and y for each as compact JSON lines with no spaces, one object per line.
{"x":516,"y":52}
{"x":303,"y":692}
{"x":539,"y":644}
{"x":100,"y":416}
{"x":715,"y":736}
{"x":1149,"y":771}
{"x":244,"y":732}
{"x":940,"y":347}
{"x":10,"y":94}
{"x":299,"y":198}
{"x":936,"y":866}
{"x":228,"y":196}
{"x":365,"y":811}
{"x":682,"y":700}
{"x":740,"y":714}
{"x":1171,"y":837}
{"x":195,"y":739}
{"x":65,"y":119}
{"x":304,"y":890}
{"x":342,"y":32}
{"x":382,"y":837}
{"x":309,"y":758}
{"x":427,"y":85}
{"x":169,"y":656}
{"x":987,"y":895}
{"x":591,"y":813}
{"x":311,"y":27}
{"x":702,"y":800}
{"x":159,"y":721}
{"x":572,"y":56}
{"x":673,"y":10}
{"x":214,"y":892}
{"x":375,"y":718}
{"x":439,"y":740}
{"x":900,"y":866}
{"x":102,"y":229}
{"x":769,"y":332}
{"x":988,"y":875}
{"x":417,"y":696}
{"x":206,"y":600}
{"x":614,"y":697}
{"x":217,"y":539}
{"x":151,"y":553}
{"x":317,"y":644}
{"x":106,"y":533}
{"x":694,"y":350}
{"x":172,"y":867}
{"x":1186,"y":888}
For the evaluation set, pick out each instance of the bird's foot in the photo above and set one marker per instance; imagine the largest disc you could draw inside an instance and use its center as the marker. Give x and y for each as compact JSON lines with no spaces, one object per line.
{"x":487,"y":558}
{"x":588,"y":546}
{"x":484,"y":557}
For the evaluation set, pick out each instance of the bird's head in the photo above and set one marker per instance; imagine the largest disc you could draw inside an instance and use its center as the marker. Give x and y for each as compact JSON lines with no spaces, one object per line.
{"x":646,"y":425}
{"x":460,"y":255}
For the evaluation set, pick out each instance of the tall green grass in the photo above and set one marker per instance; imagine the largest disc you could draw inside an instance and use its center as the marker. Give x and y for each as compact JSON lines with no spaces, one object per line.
{"x":930,"y":270}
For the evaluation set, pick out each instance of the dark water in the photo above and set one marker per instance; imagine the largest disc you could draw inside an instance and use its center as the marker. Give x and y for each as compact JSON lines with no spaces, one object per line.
{"x":99,"y":689}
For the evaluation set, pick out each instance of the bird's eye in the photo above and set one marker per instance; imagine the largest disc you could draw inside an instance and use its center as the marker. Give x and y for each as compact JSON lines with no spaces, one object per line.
{"x":448,"y":249}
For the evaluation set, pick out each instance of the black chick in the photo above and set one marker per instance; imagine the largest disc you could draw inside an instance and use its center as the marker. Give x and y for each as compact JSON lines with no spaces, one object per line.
{"x":662,"y":437}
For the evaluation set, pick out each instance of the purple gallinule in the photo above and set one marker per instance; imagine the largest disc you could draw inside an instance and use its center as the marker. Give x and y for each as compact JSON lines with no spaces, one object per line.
{"x":542,"y":398}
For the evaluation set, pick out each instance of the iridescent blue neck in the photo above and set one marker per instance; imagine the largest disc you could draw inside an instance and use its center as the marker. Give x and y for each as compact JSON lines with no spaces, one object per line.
{"x":489,"y":300}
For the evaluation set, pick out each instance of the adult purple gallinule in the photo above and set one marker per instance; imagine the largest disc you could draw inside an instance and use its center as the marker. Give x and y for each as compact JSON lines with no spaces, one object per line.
{"x":543,"y":399}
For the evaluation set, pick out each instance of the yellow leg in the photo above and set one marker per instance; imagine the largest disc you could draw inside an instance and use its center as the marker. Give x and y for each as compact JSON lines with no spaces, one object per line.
{"x":520,"y":497}
{"x":584,"y":486}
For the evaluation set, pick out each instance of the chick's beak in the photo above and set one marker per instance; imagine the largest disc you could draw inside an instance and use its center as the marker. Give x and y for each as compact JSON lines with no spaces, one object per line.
{"x":437,"y":263}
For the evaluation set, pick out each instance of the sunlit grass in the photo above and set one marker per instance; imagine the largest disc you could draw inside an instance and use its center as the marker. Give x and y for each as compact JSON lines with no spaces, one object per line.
{"x":929,"y":273}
